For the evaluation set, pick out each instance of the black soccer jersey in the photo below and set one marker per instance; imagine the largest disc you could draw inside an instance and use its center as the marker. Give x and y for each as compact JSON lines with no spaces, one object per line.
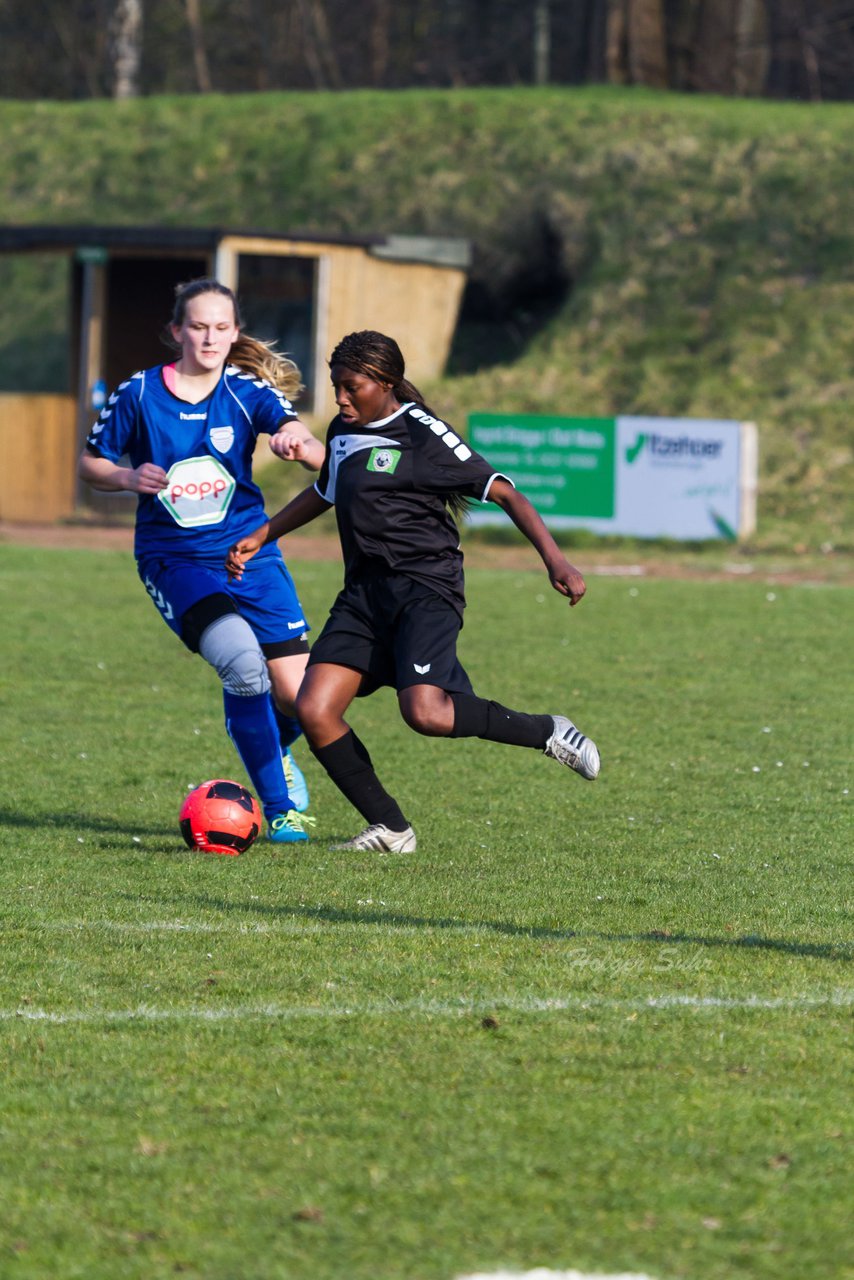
{"x":388,"y":481}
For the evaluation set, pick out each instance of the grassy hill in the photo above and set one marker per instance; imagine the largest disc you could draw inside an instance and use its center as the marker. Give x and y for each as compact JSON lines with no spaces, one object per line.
{"x":634,"y":252}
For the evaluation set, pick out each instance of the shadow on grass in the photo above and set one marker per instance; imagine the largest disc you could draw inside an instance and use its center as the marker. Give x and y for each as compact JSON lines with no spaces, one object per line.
{"x":84,"y":822}
{"x":335,"y":915}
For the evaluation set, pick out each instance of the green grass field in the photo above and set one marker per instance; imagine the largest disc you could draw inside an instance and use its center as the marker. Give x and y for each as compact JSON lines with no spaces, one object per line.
{"x":598,"y":1027}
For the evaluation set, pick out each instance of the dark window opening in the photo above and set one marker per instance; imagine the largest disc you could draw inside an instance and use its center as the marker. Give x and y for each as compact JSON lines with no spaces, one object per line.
{"x":277,"y":300}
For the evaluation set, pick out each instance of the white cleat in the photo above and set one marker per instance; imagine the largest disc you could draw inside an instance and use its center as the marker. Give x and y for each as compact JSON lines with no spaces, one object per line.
{"x":569,"y":746}
{"x":382,"y":840}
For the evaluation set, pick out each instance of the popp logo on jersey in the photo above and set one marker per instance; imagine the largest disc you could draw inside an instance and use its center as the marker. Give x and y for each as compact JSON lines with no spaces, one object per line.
{"x":198,"y":493}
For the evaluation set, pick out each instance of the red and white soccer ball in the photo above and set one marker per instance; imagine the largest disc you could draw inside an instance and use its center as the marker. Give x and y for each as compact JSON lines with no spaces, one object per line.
{"x":220,"y":817}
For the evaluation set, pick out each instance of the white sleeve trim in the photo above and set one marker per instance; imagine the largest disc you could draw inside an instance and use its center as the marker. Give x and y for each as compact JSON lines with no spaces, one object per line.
{"x":498,"y":475}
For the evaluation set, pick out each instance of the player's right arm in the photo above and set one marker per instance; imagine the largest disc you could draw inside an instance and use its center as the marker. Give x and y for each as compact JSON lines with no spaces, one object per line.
{"x":306,"y":506}
{"x":109,"y":477}
{"x":115,"y":434}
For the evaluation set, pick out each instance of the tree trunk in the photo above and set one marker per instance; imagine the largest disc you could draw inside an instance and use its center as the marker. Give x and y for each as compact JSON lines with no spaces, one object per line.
{"x":646,"y":45}
{"x":197,"y":38}
{"x":751,"y":48}
{"x":127,"y":45}
{"x":616,"y":52}
{"x":319,"y":52}
{"x":380,"y":43}
{"x":542,"y":42}
{"x":636,"y":47}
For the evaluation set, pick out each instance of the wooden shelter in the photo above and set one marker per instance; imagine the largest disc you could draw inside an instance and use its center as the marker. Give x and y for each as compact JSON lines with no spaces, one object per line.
{"x":304,"y":292}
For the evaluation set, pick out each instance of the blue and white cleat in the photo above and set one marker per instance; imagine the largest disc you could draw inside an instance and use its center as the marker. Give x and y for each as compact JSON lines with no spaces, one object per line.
{"x":569,"y":746}
{"x":294,"y":777}
{"x":289,"y":827}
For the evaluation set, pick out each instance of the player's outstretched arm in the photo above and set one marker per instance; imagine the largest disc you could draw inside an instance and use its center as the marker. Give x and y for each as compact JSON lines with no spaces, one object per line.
{"x":306,"y":506}
{"x":563,"y":576}
{"x":293,"y":442}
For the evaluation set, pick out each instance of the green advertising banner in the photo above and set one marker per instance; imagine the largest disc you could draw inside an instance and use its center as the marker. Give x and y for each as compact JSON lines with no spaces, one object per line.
{"x":565,"y":466}
{"x":688,"y":478}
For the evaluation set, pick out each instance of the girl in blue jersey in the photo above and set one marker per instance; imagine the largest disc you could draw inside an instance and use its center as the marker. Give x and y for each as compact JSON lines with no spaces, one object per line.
{"x":188,"y":431}
{"x":396,"y":474}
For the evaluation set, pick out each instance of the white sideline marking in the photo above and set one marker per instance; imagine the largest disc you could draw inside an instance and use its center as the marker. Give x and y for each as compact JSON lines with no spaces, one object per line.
{"x":543,"y":1273}
{"x":172,"y":926}
{"x":428,"y":1008}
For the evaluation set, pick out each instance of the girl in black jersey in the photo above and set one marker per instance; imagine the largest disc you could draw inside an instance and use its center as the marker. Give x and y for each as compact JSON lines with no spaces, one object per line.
{"x":396,"y":475}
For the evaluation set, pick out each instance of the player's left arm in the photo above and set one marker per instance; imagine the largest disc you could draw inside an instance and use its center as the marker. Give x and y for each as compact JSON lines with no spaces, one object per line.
{"x":293,"y":442}
{"x":563,"y":576}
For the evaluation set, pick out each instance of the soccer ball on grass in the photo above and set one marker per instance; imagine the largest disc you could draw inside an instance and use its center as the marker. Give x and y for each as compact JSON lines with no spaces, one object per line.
{"x":220,"y":817}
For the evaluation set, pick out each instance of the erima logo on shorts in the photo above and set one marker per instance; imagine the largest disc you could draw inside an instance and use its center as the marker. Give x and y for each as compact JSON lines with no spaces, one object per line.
{"x":383,"y":460}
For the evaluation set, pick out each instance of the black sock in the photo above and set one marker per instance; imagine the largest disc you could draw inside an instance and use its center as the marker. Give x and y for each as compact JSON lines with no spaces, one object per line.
{"x":479,"y":718}
{"x":349,"y":766}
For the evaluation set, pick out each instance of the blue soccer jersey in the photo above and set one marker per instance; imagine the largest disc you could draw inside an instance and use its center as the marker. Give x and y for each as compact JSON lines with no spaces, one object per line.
{"x":206,"y":451}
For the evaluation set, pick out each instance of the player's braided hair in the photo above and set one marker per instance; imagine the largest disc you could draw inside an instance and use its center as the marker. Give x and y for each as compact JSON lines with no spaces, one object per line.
{"x":379,"y":357}
{"x":252,"y":355}
{"x":376,"y":356}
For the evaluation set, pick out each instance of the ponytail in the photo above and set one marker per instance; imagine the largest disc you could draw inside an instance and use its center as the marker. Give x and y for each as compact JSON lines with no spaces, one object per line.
{"x":262,"y":360}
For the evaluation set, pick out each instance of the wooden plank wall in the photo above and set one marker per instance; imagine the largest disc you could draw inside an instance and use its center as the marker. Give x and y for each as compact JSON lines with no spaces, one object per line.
{"x":38,"y":453}
{"x":416,"y":303}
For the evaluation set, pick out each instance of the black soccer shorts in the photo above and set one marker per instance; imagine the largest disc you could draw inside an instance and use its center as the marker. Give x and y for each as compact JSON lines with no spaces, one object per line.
{"x":397,"y":632}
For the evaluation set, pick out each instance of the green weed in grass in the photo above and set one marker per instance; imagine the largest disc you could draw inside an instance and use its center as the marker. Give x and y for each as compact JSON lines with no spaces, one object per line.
{"x":594,"y":1026}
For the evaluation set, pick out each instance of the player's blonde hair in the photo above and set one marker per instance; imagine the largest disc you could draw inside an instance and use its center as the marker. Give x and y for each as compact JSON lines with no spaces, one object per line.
{"x":252,"y":355}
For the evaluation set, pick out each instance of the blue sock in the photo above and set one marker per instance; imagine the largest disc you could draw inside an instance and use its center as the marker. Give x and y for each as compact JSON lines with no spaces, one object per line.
{"x":251,"y":725}
{"x":289,"y":728}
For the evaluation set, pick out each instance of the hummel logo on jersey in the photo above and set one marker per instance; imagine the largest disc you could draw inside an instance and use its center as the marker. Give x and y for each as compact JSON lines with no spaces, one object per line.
{"x":295,"y":626}
{"x":383,"y":460}
{"x":192,"y":417}
{"x":422,"y":671}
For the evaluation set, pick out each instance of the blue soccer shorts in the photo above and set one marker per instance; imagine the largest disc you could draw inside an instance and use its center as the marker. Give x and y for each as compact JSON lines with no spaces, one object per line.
{"x":265,"y":596}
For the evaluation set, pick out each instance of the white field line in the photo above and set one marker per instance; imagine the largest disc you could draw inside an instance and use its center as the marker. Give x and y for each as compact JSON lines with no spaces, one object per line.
{"x":273,"y":1012}
{"x":167,"y":926}
{"x":543,"y":1273}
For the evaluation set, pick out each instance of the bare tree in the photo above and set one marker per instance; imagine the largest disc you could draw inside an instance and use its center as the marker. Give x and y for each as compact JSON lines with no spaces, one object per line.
{"x":319,"y":49}
{"x":647,"y":55}
{"x":91,"y":48}
{"x":750,"y":54}
{"x":127,"y":44}
{"x":197,"y":37}
{"x":542,"y":42}
{"x":380,"y":45}
{"x":636,"y":50}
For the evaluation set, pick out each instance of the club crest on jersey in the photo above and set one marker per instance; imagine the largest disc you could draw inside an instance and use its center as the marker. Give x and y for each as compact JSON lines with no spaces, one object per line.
{"x":383,"y":460}
{"x":222,"y":438}
{"x":198,"y":492}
